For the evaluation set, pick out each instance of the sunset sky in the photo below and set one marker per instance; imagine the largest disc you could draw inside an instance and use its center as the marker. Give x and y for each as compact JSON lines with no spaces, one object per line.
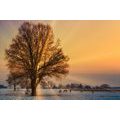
{"x":93,"y":46}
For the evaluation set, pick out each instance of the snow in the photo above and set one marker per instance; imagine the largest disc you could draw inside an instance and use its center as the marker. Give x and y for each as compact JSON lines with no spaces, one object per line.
{"x":53,"y":94}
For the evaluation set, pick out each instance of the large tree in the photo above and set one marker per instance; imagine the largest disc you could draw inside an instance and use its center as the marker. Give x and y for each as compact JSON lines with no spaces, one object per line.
{"x":34,"y":54}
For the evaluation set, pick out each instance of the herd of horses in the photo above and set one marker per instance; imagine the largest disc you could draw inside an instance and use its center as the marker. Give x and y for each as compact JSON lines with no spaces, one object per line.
{"x":65,"y":91}
{"x":60,"y":91}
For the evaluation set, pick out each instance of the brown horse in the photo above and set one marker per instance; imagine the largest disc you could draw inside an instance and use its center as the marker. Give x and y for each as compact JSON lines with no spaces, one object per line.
{"x":60,"y":91}
{"x":65,"y":91}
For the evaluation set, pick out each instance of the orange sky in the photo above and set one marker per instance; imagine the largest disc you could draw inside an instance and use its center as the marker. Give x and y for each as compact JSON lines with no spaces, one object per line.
{"x":93,"y":46}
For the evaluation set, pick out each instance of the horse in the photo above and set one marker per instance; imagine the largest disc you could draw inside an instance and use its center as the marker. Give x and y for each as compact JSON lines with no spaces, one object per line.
{"x":60,"y":91}
{"x":65,"y":90}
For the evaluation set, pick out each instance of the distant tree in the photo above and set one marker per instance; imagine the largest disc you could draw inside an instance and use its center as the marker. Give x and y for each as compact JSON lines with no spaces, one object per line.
{"x":72,"y":85}
{"x":68,"y":86}
{"x":2,"y":86}
{"x":87,"y":87}
{"x":34,"y":54}
{"x":81,"y":86}
{"x":13,"y":80}
{"x":104,"y":86}
{"x":96,"y":87}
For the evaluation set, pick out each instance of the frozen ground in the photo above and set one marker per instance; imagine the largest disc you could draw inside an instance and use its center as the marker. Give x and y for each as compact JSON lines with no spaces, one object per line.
{"x":53,"y":94}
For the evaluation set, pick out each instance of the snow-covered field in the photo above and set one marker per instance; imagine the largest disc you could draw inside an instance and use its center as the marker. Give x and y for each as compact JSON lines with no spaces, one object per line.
{"x":53,"y":94}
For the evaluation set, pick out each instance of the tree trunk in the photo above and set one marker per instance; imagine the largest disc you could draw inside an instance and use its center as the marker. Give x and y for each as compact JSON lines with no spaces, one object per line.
{"x":14,"y":87}
{"x":33,"y":88}
{"x":33,"y":93}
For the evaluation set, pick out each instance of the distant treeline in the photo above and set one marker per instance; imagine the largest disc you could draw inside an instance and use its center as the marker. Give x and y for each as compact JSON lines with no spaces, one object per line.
{"x":2,"y":86}
{"x":52,"y":85}
{"x":78,"y":86}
